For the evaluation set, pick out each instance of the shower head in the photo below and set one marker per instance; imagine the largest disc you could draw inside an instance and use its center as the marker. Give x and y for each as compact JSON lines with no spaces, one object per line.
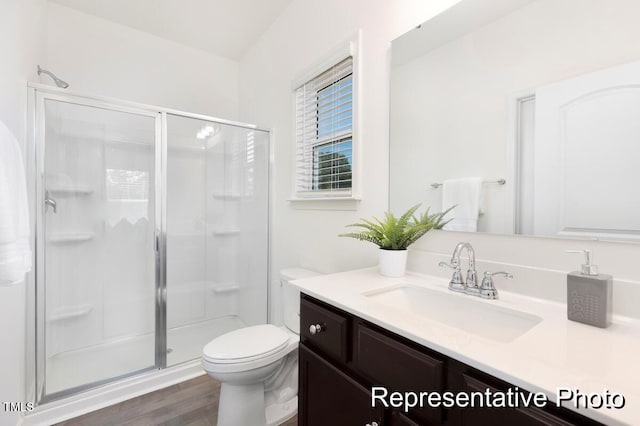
{"x":59,"y":83}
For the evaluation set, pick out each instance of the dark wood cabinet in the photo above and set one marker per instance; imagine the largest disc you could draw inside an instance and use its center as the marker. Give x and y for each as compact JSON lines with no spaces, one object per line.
{"x":473,"y":381}
{"x":383,"y":359}
{"x":330,"y":330}
{"x":399,"y":419}
{"x":330,"y":397}
{"x":345,"y":357}
{"x":529,"y":416}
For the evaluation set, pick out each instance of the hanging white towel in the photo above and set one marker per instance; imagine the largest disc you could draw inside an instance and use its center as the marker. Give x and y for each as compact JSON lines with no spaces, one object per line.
{"x":15,"y":253}
{"x":465,"y":195}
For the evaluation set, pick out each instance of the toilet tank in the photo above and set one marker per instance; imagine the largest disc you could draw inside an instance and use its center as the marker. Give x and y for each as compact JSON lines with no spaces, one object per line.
{"x":291,"y":296}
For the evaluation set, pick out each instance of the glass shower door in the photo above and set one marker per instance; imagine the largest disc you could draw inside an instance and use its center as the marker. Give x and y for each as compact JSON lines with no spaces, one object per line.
{"x":99,"y":229}
{"x":217,"y":231}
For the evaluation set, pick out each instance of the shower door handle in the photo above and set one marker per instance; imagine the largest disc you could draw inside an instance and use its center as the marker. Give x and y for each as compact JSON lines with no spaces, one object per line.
{"x":50,"y":202}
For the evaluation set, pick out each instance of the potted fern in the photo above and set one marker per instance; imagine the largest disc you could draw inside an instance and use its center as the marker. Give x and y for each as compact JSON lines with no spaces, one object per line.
{"x":393,"y":236}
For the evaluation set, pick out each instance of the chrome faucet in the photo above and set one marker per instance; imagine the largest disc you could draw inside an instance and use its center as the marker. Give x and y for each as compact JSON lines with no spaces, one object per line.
{"x":487,"y":290}
{"x":457,"y":284}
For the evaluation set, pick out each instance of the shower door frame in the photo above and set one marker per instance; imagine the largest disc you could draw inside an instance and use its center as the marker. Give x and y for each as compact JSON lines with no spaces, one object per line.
{"x":37,"y":94}
{"x":40,"y":97}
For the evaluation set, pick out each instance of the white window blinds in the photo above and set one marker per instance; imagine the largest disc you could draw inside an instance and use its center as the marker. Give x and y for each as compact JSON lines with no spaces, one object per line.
{"x":324,"y":133}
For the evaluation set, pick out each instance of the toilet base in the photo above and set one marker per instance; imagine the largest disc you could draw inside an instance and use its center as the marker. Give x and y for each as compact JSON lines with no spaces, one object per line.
{"x":241,"y":405}
{"x":279,"y":413}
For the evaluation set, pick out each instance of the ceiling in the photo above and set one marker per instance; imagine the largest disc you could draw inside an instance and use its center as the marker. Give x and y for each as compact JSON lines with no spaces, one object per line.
{"x":222,"y":27}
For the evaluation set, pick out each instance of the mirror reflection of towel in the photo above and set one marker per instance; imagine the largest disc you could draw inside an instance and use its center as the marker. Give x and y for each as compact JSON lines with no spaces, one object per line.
{"x":465,"y":195}
{"x":15,"y":253}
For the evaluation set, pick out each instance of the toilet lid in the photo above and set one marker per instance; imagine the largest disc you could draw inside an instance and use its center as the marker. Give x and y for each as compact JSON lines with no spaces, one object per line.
{"x":246,"y":343}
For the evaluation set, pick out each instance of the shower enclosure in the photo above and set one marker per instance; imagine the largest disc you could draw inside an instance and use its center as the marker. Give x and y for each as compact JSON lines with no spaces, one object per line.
{"x":151,"y":236}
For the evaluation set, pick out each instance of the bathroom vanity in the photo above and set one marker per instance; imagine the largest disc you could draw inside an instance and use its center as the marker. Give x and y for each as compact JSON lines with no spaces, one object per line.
{"x":352,"y":341}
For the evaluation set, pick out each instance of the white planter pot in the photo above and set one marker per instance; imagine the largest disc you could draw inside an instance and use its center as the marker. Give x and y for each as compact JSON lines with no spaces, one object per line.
{"x":393,"y":263}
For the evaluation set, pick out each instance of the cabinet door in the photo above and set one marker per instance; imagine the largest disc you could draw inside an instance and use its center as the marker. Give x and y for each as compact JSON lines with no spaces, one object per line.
{"x":386,"y":361}
{"x":329,"y":397}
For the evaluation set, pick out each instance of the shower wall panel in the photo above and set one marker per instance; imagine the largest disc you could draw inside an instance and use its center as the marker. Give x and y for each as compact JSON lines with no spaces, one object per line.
{"x":224,"y":274}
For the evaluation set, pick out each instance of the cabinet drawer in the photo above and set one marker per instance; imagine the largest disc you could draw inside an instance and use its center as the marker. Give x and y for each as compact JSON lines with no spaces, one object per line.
{"x":386,"y":361}
{"x":331,"y":339}
{"x":523,"y":416}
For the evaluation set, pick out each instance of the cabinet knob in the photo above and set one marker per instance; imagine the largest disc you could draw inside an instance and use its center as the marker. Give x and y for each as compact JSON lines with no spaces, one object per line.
{"x":315,"y":328}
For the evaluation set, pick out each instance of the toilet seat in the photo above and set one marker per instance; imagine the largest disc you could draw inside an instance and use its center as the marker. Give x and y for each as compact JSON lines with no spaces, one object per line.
{"x":247,"y":348}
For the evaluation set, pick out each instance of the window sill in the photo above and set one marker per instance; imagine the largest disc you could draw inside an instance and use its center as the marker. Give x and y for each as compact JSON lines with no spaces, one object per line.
{"x":325,"y":203}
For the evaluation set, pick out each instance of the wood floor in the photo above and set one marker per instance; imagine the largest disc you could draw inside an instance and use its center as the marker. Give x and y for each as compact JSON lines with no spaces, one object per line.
{"x":190,"y":403}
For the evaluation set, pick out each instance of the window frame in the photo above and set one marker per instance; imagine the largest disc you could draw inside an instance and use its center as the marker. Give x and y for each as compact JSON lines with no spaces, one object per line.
{"x":348,"y":49}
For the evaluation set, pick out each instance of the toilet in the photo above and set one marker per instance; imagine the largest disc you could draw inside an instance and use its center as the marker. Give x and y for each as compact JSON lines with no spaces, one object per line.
{"x":258,"y":365}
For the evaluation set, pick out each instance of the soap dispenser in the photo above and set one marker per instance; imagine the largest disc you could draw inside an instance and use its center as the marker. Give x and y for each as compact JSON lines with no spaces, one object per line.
{"x":589,"y":294}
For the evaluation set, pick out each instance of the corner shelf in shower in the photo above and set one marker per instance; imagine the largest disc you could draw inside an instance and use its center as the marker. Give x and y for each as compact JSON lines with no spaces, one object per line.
{"x":223,"y":288}
{"x":68,"y":312}
{"x":227,"y":195}
{"x":225,"y":232}
{"x":70,"y":237}
{"x":70,"y":190}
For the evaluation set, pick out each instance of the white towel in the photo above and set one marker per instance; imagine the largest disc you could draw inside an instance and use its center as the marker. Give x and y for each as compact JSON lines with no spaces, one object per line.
{"x":465,"y":195}
{"x":15,"y":253}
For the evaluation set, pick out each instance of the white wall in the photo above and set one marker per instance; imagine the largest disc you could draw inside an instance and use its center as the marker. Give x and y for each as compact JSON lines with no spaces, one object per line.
{"x":308,"y":238}
{"x":449,"y":106}
{"x":292,"y":45}
{"x":97,"y":56}
{"x":21,"y":45}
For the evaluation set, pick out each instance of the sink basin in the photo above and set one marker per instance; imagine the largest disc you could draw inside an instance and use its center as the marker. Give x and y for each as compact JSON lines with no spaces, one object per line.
{"x":456,"y":310}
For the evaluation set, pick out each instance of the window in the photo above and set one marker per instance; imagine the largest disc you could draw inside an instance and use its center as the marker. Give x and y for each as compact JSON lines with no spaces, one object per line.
{"x":324,"y":133}
{"x":127,"y":185}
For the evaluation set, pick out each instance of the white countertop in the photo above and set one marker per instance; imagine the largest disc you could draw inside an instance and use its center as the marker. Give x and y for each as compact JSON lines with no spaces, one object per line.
{"x":554,"y":353}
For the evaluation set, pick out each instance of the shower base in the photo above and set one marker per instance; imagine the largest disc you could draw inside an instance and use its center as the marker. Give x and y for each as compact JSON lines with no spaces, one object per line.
{"x":68,"y":370}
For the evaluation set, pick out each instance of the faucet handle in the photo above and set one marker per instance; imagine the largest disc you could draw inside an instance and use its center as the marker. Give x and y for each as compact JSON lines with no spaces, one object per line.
{"x":452,"y":265}
{"x":493,"y":274}
{"x":50,"y":202}
{"x":488,"y":289}
{"x":456,"y":283}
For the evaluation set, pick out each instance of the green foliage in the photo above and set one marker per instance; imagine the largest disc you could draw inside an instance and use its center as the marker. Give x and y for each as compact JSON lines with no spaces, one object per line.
{"x":398,"y":233}
{"x":335,"y":171}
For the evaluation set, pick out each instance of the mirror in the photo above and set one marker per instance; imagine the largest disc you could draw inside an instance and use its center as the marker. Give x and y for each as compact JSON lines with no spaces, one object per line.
{"x":533,"y":104}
